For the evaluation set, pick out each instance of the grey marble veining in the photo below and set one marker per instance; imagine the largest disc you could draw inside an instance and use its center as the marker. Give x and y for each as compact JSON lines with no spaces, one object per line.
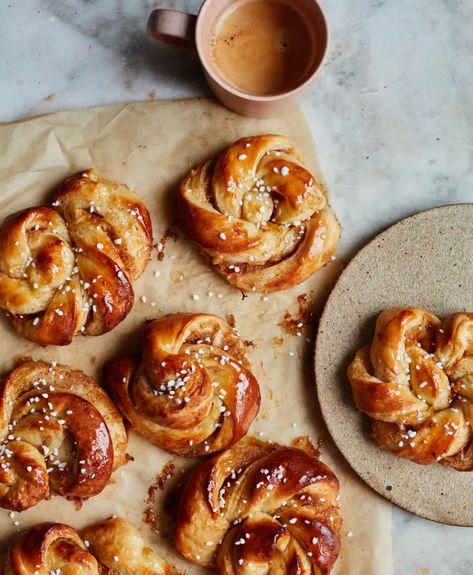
{"x":58,"y":55}
{"x":392,"y":114}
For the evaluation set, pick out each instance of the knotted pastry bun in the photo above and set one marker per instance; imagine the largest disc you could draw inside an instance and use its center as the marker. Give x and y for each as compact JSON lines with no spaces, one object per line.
{"x":69,"y":270}
{"x":261,"y":507}
{"x":60,"y":434}
{"x":119,"y":547}
{"x":192,"y":391}
{"x":111,"y":547}
{"x":260,"y":216}
{"x":49,"y":548}
{"x":415,"y":381}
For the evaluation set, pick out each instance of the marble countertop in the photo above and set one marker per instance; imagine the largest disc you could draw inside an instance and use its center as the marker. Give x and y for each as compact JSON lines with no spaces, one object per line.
{"x":392,"y":114}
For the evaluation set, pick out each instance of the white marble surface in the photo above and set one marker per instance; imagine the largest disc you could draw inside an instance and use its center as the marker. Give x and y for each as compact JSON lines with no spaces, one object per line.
{"x":392,"y":114}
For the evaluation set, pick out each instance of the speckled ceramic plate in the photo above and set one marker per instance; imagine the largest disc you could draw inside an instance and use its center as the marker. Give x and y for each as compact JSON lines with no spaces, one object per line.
{"x":427,"y":261}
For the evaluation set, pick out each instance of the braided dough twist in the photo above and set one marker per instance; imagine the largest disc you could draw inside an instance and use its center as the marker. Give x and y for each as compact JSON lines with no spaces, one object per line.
{"x":50,"y":548}
{"x":69,"y":269}
{"x":261,"y":507}
{"x":112,"y":546}
{"x":259,"y":214}
{"x":415,"y":381}
{"x":59,"y":435}
{"x":193,"y":391}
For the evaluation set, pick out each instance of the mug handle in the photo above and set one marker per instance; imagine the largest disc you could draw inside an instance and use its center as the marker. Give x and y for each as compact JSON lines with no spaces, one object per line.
{"x":173,"y":27}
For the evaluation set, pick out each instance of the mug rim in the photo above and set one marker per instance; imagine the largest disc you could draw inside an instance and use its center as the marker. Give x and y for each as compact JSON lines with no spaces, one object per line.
{"x":218,"y":79}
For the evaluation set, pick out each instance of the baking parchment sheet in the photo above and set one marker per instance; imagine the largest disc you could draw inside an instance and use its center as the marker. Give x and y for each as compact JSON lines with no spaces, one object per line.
{"x":150,"y":147}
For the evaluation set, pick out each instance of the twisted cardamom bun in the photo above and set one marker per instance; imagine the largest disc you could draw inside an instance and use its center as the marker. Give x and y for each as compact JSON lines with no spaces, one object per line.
{"x":50,"y":548}
{"x":259,"y":215}
{"x":60,"y":434}
{"x":261,"y":508}
{"x":120,"y":548}
{"x":415,"y":381}
{"x":111,"y":547}
{"x":192,"y":391}
{"x":69,"y":270}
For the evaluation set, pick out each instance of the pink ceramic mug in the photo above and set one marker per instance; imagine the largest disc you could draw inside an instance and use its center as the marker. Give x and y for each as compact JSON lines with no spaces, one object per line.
{"x":194,"y":33}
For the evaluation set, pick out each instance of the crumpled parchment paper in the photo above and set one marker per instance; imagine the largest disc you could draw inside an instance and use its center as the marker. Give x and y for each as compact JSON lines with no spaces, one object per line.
{"x":150,"y":147}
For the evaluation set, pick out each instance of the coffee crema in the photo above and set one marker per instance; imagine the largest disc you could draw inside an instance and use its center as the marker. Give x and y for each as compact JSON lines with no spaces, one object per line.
{"x":263,"y":47}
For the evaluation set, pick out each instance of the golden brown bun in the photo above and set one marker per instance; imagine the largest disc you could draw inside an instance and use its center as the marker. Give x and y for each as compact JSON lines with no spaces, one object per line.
{"x":68,"y":270}
{"x":59,"y":434}
{"x":415,"y":381}
{"x":260,"y":505}
{"x":47,"y":549}
{"x":120,"y":548}
{"x":259,"y":214}
{"x":192,"y":392}
{"x":113,"y":547}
